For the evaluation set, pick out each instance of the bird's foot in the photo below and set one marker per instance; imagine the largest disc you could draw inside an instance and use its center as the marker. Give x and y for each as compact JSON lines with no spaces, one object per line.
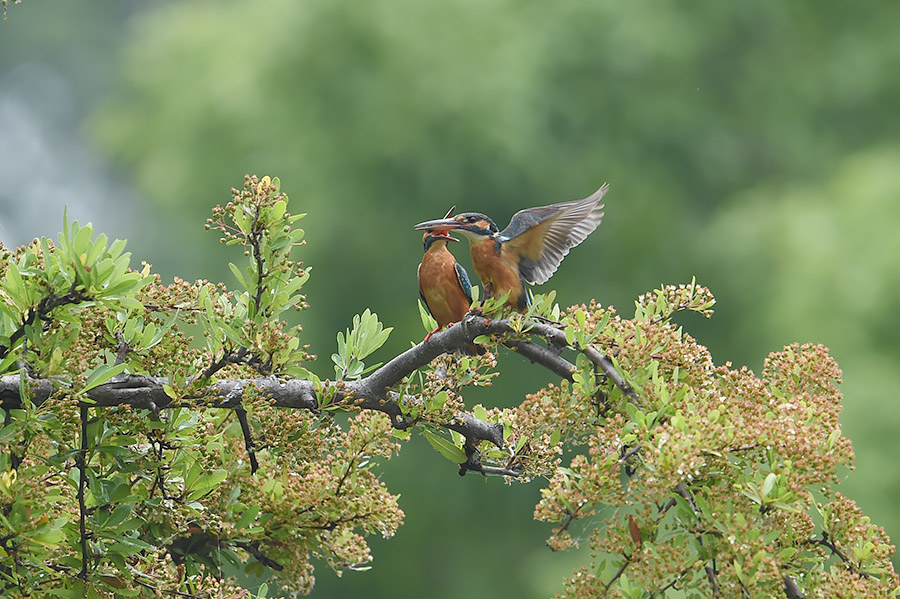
{"x":428,"y":336}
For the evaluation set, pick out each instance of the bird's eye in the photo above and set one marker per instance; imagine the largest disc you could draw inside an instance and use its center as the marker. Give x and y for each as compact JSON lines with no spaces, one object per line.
{"x":471,"y":219}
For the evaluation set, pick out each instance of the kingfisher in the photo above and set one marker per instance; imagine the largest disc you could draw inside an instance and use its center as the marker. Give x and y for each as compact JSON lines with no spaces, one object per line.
{"x":443,"y":283}
{"x":529,"y":249}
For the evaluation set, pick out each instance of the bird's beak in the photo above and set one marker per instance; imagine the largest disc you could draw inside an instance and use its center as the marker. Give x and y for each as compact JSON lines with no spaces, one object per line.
{"x":443,"y":234}
{"x":441,"y":223}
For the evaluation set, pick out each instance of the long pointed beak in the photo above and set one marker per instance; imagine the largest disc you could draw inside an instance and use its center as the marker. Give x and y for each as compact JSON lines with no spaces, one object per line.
{"x":441,"y":223}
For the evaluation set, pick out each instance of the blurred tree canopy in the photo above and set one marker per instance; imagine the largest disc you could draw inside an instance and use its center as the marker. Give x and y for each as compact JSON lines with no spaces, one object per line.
{"x":388,"y":112}
{"x":753,"y":145}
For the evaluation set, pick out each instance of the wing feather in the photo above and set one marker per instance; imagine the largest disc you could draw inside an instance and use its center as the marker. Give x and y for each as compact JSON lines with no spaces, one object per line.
{"x":464,"y":281}
{"x":543,"y":236}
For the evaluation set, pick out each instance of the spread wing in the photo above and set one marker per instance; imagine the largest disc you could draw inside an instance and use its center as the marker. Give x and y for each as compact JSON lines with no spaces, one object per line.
{"x":464,"y":281}
{"x":542,"y":236}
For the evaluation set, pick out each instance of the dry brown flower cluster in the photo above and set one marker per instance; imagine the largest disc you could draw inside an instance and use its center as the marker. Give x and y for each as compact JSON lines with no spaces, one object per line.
{"x":713,"y":480}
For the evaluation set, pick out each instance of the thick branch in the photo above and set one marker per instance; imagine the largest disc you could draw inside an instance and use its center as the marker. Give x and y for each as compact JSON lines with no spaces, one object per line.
{"x":792,"y":589}
{"x":544,"y":356}
{"x":371,"y":392}
{"x":146,"y":392}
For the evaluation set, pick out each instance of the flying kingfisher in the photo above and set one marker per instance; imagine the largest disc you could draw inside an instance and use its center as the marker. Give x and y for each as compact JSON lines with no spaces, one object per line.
{"x":443,"y":283}
{"x":529,"y":249}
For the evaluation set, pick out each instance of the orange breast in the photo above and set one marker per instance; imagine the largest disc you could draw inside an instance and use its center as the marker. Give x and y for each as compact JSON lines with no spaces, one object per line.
{"x":440,"y":286}
{"x":498,"y":271}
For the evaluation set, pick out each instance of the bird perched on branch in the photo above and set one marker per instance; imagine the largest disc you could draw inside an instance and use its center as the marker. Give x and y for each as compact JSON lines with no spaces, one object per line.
{"x":529,"y":249}
{"x":443,"y":283}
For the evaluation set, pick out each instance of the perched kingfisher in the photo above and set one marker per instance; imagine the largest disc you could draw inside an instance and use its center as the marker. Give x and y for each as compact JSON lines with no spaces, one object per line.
{"x":443,"y":283}
{"x":529,"y":249}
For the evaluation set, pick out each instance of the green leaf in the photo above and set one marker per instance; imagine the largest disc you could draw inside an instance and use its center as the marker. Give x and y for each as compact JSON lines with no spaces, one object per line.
{"x":278,"y":209}
{"x":130,"y":524}
{"x":768,"y":485}
{"x":206,"y":483}
{"x":66,"y":593}
{"x":238,"y":274}
{"x":101,"y":374}
{"x":51,"y":536}
{"x":119,"y":515}
{"x":81,"y":239}
{"x":428,"y":321}
{"x":439,"y":400}
{"x":581,"y":317}
{"x":446,"y":448}
{"x":554,"y":437}
{"x":16,"y":287}
{"x":247,"y":518}
{"x":9,"y":360}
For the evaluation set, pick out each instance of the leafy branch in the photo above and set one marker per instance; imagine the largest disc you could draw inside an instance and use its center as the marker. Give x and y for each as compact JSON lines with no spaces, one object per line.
{"x":161,"y":469}
{"x":368,"y":393}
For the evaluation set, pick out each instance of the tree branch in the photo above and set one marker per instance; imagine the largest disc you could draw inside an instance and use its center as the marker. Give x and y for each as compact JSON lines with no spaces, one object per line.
{"x":42,"y":312}
{"x":248,"y":438}
{"x":825,"y":541}
{"x":370,"y":393}
{"x":544,"y":356}
{"x":619,"y":572}
{"x":558,"y":338}
{"x":82,"y":482}
{"x":792,"y":589}
{"x":710,"y":567}
{"x":253,"y":549}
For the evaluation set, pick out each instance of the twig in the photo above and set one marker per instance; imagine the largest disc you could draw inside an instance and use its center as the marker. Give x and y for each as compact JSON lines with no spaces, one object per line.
{"x":570,"y":517}
{"x":42,"y":312}
{"x":473,"y":463}
{"x":82,"y":481}
{"x":123,"y":349}
{"x":627,"y":455}
{"x":248,"y":438}
{"x":234,"y":357}
{"x":710,"y":568}
{"x":826,"y":542}
{"x":606,"y":365}
{"x":558,"y":338}
{"x":14,"y":458}
{"x":673,"y":582}
{"x":253,"y":549}
{"x":489,"y":470}
{"x":618,"y":574}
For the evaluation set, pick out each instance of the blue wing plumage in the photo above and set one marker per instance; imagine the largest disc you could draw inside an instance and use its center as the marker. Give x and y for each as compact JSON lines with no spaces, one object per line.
{"x":464,"y":281}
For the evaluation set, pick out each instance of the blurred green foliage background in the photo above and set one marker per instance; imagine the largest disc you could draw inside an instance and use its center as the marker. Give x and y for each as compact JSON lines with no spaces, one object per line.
{"x":753,"y":145}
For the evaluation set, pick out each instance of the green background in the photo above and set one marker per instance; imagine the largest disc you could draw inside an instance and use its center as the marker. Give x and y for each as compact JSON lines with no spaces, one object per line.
{"x":755,"y":146}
